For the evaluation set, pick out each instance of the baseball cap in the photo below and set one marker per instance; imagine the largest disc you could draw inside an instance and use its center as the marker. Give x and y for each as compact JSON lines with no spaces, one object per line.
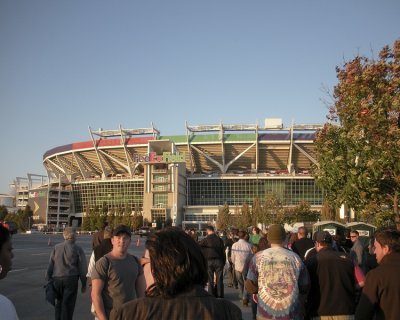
{"x":122,"y":229}
{"x":323,"y":236}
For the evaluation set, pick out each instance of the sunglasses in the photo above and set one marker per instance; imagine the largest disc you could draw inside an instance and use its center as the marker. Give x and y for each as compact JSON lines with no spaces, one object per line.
{"x":353,"y":236}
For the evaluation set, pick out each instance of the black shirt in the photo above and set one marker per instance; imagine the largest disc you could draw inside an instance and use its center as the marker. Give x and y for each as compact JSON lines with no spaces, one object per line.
{"x":332,"y":284}
{"x":301,"y":246}
{"x":213,"y":247}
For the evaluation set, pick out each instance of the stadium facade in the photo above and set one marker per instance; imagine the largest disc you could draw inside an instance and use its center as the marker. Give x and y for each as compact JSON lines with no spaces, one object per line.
{"x":185,"y":178}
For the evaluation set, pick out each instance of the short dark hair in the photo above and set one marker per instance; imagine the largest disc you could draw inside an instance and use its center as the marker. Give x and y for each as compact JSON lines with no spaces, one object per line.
{"x":242,"y":234}
{"x":256,"y":229}
{"x":4,"y":235}
{"x":177,"y":263}
{"x":390,"y":238}
{"x":104,"y":225}
{"x":355,"y":231}
{"x":211,"y":228}
{"x":263,"y":244}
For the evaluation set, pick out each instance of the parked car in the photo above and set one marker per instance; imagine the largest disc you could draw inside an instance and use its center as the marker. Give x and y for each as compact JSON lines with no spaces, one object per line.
{"x":33,"y":230}
{"x":143,"y":231}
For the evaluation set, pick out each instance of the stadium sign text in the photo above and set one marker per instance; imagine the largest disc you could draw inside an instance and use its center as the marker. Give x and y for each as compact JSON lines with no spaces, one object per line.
{"x":166,"y":157}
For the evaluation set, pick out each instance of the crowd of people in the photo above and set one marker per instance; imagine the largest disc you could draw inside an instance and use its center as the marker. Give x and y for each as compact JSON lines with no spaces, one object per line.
{"x":294,"y":276}
{"x":279,"y":275}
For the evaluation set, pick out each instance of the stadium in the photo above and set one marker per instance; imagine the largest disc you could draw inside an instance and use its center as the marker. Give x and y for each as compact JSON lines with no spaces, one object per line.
{"x":184,"y":178}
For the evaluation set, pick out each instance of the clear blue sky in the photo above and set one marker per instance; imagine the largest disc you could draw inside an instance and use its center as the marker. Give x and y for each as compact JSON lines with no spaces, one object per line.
{"x":67,"y":65}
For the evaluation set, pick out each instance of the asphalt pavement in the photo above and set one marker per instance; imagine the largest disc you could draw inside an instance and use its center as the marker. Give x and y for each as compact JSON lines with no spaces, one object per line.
{"x":24,"y":283}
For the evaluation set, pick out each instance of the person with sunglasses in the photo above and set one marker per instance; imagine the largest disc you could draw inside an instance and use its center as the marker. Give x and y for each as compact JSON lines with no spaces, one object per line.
{"x":358,"y":252}
{"x":176,"y":274}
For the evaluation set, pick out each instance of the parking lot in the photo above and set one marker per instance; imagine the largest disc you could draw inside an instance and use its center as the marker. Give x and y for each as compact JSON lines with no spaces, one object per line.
{"x":24,"y":284}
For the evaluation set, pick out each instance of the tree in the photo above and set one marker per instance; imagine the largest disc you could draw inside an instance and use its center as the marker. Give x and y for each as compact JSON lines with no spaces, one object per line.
{"x":86,"y":221}
{"x":126,"y":218}
{"x":25,"y":217}
{"x":21,"y":218}
{"x":223,"y":218}
{"x":358,"y":151}
{"x":137,"y":219}
{"x":303,"y":213}
{"x":256,"y":212}
{"x":3,"y":212}
{"x":327,"y":212}
{"x":272,"y":211}
{"x":246,"y":217}
{"x":93,"y":219}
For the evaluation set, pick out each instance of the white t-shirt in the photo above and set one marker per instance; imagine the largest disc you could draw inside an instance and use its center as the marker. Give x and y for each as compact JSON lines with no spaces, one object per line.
{"x":7,"y":309}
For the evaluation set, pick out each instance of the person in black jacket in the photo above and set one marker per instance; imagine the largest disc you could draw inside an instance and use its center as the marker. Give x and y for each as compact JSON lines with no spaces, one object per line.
{"x":303,"y":243}
{"x":381,"y":294}
{"x":213,"y":249}
{"x":333,"y":282}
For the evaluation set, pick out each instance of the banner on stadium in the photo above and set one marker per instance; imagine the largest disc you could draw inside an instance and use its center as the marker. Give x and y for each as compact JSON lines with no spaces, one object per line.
{"x":166,"y":157}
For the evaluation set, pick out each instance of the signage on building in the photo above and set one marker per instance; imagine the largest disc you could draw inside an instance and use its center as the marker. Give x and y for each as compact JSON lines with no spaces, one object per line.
{"x":37,"y":194}
{"x":363,"y":233}
{"x":332,"y":232}
{"x":166,"y":157}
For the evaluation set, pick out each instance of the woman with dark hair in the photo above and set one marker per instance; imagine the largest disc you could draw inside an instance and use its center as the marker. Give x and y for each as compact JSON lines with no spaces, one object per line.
{"x":176,"y":289}
{"x":7,"y":309}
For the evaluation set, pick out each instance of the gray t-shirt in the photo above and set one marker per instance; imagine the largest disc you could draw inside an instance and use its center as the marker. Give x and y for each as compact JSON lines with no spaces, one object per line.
{"x":119,"y":276}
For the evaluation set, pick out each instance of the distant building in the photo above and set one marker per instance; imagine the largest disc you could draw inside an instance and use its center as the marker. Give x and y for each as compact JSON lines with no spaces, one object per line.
{"x":7,"y":201}
{"x":184,"y":178}
{"x":35,"y":191}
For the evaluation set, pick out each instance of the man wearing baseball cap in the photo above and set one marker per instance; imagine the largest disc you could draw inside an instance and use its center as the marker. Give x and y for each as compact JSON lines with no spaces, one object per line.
{"x":117,"y":276}
{"x":333,"y":282}
{"x":279,"y":278}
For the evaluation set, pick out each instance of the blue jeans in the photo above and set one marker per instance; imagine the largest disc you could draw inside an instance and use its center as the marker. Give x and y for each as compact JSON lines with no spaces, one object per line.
{"x":66,"y":289}
{"x":216,"y":266}
{"x":242,"y":290}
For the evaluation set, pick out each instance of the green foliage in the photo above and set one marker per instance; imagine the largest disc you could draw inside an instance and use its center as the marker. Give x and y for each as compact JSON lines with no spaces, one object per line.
{"x":377,"y":215}
{"x":137,"y":219}
{"x":246,"y":216}
{"x":111,"y":220}
{"x":272,"y":211}
{"x":21,"y":218}
{"x":327,"y":212}
{"x":86,"y":223}
{"x":223,"y":218}
{"x":359,"y":160}
{"x":256,"y":211}
{"x":3,"y":212}
{"x":301,"y":213}
{"x":118,"y":219}
{"x":127,"y":219}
